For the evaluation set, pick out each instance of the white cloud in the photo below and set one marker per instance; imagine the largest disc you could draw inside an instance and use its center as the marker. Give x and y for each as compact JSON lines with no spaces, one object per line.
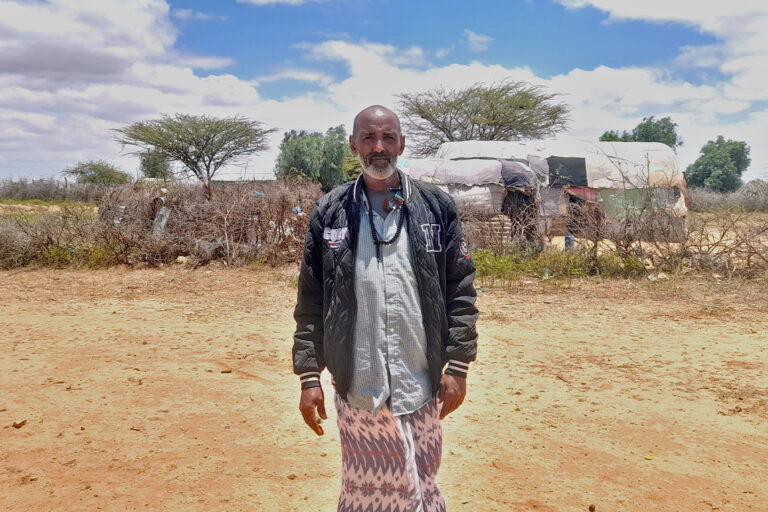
{"x":275,"y":2}
{"x":442,"y":53}
{"x":300,"y":75}
{"x":741,"y":25}
{"x":204,"y":61}
{"x":707,"y":56}
{"x":189,"y":14}
{"x":477,"y":42}
{"x":123,"y":67}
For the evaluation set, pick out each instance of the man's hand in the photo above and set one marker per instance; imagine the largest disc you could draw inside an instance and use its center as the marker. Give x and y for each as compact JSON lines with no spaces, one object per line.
{"x":311,"y":399}
{"x":451,"y":394}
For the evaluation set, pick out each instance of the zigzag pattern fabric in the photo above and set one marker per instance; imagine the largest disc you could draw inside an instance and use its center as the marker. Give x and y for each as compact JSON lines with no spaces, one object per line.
{"x":389,"y":463}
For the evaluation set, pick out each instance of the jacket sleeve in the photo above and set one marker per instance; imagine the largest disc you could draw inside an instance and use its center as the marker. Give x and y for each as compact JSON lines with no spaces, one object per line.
{"x":308,"y":359}
{"x":461,"y":347}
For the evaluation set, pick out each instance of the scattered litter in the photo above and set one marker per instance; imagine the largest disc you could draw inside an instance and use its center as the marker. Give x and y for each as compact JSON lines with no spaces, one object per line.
{"x":649,"y":457}
{"x":297,"y":209}
{"x":119,"y":213}
{"x":158,"y":224}
{"x":226,"y":371}
{"x":19,"y":424}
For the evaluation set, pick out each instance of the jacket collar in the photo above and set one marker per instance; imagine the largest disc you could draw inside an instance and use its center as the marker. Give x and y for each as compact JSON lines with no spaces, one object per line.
{"x":357,"y":188}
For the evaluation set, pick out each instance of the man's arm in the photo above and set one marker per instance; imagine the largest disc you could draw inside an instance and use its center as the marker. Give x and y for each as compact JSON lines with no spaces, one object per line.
{"x":308,"y":359}
{"x":461,"y":346}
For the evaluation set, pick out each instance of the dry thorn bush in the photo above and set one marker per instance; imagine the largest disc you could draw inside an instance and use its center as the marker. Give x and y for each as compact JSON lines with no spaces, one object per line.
{"x":256,"y":221}
{"x":51,"y":189}
{"x":241,"y":223}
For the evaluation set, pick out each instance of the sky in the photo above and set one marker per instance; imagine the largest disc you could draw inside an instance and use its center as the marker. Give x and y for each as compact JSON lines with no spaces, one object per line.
{"x":72,"y":71}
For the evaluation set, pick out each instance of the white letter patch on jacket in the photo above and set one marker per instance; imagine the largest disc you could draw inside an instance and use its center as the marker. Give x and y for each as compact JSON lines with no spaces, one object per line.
{"x":432,"y":237}
{"x":334,"y":236}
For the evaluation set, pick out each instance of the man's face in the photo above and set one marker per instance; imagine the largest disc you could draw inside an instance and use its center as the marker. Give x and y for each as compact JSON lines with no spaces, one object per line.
{"x":377,"y":142}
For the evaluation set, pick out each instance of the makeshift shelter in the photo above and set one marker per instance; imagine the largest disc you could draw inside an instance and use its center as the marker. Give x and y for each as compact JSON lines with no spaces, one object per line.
{"x":621,"y":179}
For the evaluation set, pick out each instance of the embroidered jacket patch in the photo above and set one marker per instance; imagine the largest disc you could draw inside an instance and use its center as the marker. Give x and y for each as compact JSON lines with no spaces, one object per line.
{"x":334,"y":236}
{"x":432,"y":237}
{"x":464,"y":249}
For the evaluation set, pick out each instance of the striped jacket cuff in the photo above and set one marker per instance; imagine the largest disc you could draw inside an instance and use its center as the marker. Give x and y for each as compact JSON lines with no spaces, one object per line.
{"x":457,"y":368}
{"x":310,"y":380}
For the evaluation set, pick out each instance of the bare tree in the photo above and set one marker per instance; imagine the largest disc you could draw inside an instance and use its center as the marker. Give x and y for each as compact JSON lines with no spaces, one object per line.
{"x":505,"y":110}
{"x":203,"y":144}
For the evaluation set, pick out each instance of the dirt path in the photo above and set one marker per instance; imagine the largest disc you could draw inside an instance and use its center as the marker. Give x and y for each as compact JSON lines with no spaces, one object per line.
{"x":171,"y":390}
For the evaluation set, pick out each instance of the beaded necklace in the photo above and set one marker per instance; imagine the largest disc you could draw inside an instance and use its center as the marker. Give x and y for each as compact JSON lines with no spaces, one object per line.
{"x":400,"y":203}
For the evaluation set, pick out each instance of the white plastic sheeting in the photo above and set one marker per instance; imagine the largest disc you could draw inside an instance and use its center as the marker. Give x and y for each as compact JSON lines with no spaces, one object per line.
{"x":609,"y":165}
{"x":484,"y":197}
{"x":455,"y":172}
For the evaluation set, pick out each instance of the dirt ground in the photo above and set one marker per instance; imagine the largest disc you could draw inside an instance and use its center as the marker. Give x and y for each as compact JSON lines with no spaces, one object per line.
{"x":170,"y":389}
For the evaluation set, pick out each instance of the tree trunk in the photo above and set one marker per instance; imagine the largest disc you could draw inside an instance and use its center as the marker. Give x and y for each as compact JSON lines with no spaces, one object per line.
{"x":208,"y":190}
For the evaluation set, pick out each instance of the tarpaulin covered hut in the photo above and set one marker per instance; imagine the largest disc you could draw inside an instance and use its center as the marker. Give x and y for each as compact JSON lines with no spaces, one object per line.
{"x":623,"y":178}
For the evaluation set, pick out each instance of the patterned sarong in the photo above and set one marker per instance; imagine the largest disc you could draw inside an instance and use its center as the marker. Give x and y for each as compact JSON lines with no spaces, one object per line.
{"x":389,"y":462}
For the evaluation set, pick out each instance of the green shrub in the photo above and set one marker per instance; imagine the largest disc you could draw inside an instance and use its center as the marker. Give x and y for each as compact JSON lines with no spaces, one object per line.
{"x":54,"y":256}
{"x":95,"y":256}
{"x":552,"y":264}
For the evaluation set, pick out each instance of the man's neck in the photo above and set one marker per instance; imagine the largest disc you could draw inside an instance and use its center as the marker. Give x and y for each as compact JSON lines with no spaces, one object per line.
{"x":375,"y":185}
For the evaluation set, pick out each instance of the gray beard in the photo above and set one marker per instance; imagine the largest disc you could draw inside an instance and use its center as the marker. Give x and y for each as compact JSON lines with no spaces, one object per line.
{"x":376,"y":172}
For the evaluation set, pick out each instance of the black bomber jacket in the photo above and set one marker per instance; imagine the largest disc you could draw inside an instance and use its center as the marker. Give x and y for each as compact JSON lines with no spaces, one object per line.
{"x":326,"y":307}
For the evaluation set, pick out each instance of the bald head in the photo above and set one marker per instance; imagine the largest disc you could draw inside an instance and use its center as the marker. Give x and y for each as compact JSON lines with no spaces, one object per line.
{"x":377,"y":141}
{"x":375,"y":113}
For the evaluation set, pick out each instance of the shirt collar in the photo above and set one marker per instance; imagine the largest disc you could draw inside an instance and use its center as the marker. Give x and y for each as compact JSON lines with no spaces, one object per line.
{"x":358,"y":193}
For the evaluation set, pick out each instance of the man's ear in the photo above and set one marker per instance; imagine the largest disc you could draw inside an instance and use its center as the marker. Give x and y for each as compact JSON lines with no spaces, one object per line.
{"x":352,"y":145}
{"x":402,"y":144}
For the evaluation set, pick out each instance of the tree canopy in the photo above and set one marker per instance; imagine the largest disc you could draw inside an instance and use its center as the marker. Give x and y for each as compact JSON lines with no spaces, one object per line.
{"x":505,"y":110}
{"x":320,"y":157}
{"x":203,"y":144}
{"x":720,"y":165}
{"x":155,"y":165}
{"x":97,"y":172}
{"x":648,"y":130}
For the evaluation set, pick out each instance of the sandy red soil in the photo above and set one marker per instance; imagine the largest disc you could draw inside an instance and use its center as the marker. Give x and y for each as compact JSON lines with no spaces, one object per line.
{"x":170,"y":389}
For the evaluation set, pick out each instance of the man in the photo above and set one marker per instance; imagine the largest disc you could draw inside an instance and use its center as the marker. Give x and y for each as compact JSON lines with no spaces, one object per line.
{"x":386,"y":303}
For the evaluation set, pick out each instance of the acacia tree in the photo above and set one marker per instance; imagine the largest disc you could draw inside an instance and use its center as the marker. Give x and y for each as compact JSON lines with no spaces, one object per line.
{"x":648,"y":130}
{"x":97,"y":172}
{"x":203,"y":144}
{"x":720,"y":165}
{"x":505,"y":110}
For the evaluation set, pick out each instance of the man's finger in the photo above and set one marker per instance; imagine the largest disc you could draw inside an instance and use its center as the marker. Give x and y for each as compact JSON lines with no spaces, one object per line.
{"x":310,"y":418}
{"x":447,"y":406}
{"x":446,"y":410}
{"x":321,"y":409}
